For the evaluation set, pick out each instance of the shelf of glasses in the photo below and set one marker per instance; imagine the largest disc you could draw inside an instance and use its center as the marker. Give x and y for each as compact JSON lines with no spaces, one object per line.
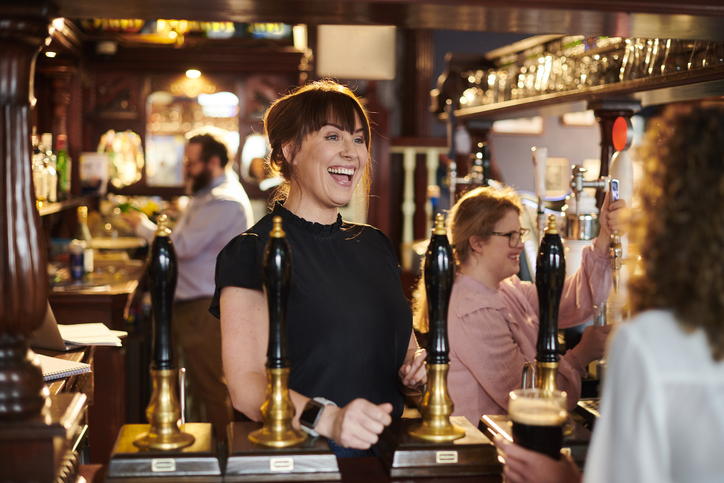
{"x":701,"y":83}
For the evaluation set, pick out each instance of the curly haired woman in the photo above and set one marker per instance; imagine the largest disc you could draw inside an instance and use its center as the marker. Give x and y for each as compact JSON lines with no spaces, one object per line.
{"x":661,"y":411}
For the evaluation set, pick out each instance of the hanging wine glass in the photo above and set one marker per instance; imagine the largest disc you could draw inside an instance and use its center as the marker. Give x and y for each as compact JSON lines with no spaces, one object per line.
{"x":714,"y":53}
{"x":658,"y":56}
{"x":697,"y":60}
{"x":676,"y":58}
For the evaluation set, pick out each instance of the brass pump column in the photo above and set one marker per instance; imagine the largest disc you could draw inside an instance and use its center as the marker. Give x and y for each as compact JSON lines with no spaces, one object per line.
{"x":278,"y":408}
{"x":163,"y":411}
{"x":436,"y":406}
{"x":549,"y":278}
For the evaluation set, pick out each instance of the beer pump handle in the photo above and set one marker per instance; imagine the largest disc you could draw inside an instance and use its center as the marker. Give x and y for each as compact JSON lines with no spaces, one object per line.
{"x":540,"y":159}
{"x":452,"y":153}
{"x":615,"y":247}
{"x":439,"y":276}
{"x":276,"y":277}
{"x":163,"y":275}
{"x":549,"y":278}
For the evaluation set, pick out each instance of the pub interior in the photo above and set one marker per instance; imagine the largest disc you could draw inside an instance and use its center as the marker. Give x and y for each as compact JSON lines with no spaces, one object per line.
{"x":458,"y":93}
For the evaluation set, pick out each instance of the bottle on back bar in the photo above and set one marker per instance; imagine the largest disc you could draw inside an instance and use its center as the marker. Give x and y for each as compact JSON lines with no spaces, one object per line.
{"x":63,"y":167}
{"x":50,"y":162}
{"x":83,"y":233}
{"x":40,"y":173}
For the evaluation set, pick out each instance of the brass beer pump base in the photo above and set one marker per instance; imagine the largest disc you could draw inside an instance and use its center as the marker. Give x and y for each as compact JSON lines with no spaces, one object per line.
{"x":163,"y":414}
{"x":278,"y":411}
{"x":436,"y":408}
{"x":545,"y":375}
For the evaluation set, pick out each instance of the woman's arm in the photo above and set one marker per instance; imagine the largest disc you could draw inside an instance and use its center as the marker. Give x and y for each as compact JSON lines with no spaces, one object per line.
{"x":244,"y":341}
{"x":592,"y":282}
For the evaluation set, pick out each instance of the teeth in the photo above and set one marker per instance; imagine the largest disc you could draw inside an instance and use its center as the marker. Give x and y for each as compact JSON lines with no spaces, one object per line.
{"x":347,"y":171}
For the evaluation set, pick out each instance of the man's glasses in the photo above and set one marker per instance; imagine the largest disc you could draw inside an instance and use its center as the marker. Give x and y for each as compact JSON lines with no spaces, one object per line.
{"x":513,"y":236}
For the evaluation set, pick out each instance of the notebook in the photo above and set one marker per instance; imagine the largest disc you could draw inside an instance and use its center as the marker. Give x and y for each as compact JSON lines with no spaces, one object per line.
{"x":47,"y":336}
{"x":54,"y":368}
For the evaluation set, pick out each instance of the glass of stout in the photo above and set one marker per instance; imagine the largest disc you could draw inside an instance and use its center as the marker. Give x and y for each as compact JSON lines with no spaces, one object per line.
{"x":538,"y":417}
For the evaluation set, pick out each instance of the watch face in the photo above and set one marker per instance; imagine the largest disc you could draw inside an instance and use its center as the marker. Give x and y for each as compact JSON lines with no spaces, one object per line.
{"x":311,"y":413}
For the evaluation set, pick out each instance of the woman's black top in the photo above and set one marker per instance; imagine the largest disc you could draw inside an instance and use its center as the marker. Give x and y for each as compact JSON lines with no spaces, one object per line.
{"x":348,"y":320}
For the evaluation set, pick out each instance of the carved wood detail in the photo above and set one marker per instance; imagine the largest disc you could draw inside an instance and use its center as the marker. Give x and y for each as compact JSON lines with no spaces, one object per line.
{"x":23,"y":262}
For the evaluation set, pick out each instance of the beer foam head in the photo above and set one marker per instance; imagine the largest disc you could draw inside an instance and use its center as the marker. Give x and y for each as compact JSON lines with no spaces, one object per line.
{"x":536,"y":412}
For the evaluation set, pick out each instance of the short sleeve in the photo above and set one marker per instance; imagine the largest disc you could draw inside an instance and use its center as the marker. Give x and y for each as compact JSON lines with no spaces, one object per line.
{"x":239,"y":264}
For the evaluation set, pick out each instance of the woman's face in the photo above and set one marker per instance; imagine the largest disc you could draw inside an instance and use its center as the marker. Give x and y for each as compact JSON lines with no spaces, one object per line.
{"x":328,"y":166}
{"x":501,"y":260}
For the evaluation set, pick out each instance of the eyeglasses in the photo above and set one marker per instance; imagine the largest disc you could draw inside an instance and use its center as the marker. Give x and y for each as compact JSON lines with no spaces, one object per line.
{"x":513,"y":236}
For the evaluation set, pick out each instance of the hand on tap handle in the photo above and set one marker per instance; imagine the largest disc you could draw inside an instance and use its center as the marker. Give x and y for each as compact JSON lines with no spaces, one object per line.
{"x":615,"y":217}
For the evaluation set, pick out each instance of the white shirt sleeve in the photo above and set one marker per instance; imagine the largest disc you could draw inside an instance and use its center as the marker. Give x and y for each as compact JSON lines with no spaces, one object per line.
{"x":629,"y":441}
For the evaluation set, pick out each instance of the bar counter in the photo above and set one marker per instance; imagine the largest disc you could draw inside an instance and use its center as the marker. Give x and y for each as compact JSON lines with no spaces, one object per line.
{"x":119,"y":373}
{"x":353,"y":470}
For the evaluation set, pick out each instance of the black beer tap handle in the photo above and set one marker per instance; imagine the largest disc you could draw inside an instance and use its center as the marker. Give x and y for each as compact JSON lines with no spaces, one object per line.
{"x":162,"y":274}
{"x":439,"y":277}
{"x":277,"y":278}
{"x":549,"y":278}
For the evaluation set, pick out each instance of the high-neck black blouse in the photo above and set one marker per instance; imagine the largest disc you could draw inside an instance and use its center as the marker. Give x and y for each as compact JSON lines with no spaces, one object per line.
{"x":348,"y":320}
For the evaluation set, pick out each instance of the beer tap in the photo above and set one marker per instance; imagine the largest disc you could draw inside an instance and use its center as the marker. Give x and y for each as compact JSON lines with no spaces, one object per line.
{"x":163,"y":411}
{"x":436,"y":406}
{"x":540,"y":159}
{"x":616,"y":248}
{"x":278,"y":408}
{"x":479,"y":171}
{"x":549,"y":278}
{"x":578,"y":184}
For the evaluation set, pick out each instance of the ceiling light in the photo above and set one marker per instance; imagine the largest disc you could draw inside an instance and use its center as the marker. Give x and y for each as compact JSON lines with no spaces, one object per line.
{"x":50,"y":54}
{"x":193,"y":74}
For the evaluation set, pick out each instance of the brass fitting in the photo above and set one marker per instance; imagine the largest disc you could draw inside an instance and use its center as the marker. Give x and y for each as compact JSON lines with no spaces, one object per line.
{"x":277,"y":411}
{"x":436,"y":408}
{"x":163,"y":414}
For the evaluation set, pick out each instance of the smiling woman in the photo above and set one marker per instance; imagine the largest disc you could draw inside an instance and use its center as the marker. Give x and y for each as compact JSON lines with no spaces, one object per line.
{"x":493,"y":317}
{"x":349,"y":324}
{"x":319,"y":134}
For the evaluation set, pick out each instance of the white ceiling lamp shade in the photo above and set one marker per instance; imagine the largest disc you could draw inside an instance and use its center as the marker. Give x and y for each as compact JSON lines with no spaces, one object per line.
{"x":365,"y":52}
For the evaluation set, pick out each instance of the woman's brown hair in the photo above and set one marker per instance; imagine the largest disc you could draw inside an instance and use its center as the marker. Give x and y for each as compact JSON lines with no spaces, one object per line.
{"x":304,"y":111}
{"x":680,"y":228}
{"x":475,"y":214}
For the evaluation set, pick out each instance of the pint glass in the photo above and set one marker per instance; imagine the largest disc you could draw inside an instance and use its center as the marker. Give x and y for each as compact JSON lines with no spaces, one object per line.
{"x":538,"y":417}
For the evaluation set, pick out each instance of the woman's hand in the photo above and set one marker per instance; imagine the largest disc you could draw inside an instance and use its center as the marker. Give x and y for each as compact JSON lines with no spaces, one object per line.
{"x":357,"y":425}
{"x":614,"y":217}
{"x":592,"y":345}
{"x":526,"y":466}
{"x":413,"y":372}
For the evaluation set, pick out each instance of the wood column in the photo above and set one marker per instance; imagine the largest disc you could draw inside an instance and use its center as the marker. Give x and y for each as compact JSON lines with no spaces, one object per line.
{"x":417,"y":73}
{"x":23,"y":259}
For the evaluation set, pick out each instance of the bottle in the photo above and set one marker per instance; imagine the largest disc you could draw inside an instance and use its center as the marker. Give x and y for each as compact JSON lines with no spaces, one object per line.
{"x":40,"y":173}
{"x":83,"y":233}
{"x":64,"y":164}
{"x":50,"y":162}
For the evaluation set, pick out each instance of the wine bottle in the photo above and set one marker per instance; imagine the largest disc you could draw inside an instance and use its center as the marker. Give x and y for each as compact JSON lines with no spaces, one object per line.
{"x":83,"y":233}
{"x":50,"y":163}
{"x":40,"y":173}
{"x":64,"y":165}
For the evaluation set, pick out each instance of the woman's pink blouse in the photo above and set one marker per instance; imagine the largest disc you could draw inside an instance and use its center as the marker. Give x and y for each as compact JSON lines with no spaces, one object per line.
{"x":493,"y":333}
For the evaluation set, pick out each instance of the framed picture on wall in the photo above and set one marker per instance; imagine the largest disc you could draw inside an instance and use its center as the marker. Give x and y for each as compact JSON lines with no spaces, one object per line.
{"x":558,"y":176}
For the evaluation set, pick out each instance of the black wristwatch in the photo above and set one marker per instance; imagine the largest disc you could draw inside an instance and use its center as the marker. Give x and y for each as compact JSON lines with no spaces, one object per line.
{"x":311,"y":414}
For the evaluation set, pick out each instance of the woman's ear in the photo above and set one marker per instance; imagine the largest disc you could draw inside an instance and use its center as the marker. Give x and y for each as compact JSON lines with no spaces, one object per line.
{"x":476,"y":243}
{"x":288,"y":151}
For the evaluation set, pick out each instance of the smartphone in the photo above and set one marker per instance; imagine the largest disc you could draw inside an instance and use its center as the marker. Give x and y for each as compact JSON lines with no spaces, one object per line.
{"x":614,"y":190}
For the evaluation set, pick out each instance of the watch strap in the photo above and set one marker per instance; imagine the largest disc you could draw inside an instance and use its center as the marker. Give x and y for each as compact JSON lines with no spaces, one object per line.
{"x":311,"y":414}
